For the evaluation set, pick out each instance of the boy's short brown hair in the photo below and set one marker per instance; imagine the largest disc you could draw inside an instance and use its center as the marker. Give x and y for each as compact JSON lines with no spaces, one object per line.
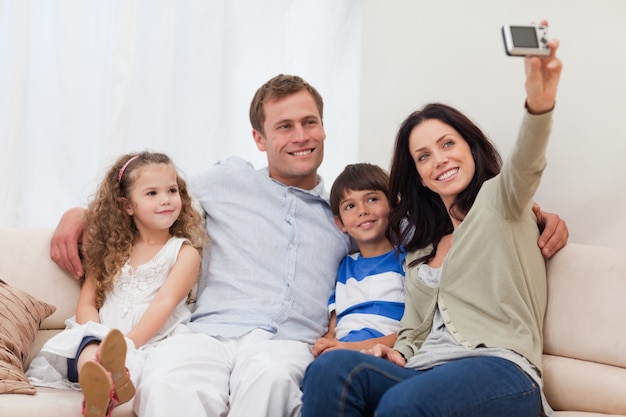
{"x":278,"y":87}
{"x":358,"y":177}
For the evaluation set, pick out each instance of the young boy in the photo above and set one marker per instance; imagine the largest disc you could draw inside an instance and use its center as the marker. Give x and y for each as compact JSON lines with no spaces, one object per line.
{"x":368,"y":301}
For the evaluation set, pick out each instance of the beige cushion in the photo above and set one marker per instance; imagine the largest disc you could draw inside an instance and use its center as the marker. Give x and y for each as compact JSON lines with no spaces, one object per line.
{"x":572,"y":384}
{"x":586,"y":314}
{"x":578,"y":414}
{"x":584,"y":337}
{"x":20,"y":317}
{"x":26,"y":264}
{"x":50,"y":401}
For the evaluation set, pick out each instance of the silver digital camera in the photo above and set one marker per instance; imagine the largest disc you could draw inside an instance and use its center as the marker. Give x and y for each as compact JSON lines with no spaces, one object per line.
{"x":522,"y":40}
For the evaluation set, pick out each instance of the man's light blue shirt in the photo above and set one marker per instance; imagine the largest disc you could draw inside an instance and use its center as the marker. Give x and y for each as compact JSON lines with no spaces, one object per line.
{"x":273,"y":256}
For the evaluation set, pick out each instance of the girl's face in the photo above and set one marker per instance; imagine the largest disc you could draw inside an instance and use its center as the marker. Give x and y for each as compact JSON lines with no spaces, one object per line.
{"x":443,"y":159}
{"x":155,"y":202}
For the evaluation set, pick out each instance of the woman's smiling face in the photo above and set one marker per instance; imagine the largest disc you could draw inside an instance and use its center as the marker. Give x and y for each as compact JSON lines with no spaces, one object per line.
{"x":443,"y":159}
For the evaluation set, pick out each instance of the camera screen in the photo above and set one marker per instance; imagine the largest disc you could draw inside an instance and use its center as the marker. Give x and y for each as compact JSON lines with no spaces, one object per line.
{"x":524,"y":37}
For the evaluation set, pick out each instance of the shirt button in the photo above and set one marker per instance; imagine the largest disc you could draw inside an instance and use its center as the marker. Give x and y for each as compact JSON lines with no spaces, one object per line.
{"x":291,"y":246}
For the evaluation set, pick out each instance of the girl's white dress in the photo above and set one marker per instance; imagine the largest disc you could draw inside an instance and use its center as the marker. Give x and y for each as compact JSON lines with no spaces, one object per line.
{"x":123,"y":307}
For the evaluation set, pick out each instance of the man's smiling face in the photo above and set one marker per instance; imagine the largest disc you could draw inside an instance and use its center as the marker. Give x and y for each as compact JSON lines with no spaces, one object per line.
{"x":293,"y":139}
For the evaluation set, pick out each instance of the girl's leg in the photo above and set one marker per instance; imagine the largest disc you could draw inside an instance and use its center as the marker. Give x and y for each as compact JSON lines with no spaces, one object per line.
{"x":479,"y":386}
{"x":348,"y":383}
{"x":87,"y":351}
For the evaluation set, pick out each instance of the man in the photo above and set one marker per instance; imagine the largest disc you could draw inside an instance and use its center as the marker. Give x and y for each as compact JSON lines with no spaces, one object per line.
{"x":267,"y":273}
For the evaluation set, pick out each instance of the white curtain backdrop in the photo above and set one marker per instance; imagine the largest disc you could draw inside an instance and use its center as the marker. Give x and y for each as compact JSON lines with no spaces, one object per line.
{"x":83,"y":81}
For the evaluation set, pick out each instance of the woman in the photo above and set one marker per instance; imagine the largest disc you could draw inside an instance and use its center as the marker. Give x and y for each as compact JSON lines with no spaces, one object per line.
{"x":471,"y":337}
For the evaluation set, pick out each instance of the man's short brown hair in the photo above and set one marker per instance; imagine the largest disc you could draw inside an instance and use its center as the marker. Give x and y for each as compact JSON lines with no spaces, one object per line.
{"x":278,"y":87}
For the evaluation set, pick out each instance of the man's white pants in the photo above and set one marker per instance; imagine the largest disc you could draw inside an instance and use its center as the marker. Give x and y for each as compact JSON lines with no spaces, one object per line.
{"x":198,"y":375}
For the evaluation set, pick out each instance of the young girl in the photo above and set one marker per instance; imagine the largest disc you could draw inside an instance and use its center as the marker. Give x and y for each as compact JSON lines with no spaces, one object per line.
{"x":471,"y":337}
{"x":142,"y":258}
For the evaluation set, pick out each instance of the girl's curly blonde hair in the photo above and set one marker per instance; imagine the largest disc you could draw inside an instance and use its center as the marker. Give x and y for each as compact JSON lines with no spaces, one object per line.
{"x":111,"y":231}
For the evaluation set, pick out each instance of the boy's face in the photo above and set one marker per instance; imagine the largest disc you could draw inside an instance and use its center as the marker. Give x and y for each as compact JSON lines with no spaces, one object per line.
{"x":364,"y":216}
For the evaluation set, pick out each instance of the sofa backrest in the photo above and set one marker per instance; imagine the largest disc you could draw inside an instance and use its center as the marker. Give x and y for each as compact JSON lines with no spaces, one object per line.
{"x":25,"y":263}
{"x":586,"y":315}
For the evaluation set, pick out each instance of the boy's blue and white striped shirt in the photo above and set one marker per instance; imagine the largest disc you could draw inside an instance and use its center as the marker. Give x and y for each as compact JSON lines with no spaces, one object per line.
{"x":369,"y":296}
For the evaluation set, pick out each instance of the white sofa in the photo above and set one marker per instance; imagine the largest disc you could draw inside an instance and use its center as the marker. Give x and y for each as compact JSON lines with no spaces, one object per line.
{"x":585,"y":327}
{"x":25,"y":263}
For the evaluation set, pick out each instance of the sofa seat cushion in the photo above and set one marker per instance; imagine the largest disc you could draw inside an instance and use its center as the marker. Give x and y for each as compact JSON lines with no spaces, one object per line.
{"x":51,"y":402}
{"x":583,"y":414}
{"x":573,"y":384}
